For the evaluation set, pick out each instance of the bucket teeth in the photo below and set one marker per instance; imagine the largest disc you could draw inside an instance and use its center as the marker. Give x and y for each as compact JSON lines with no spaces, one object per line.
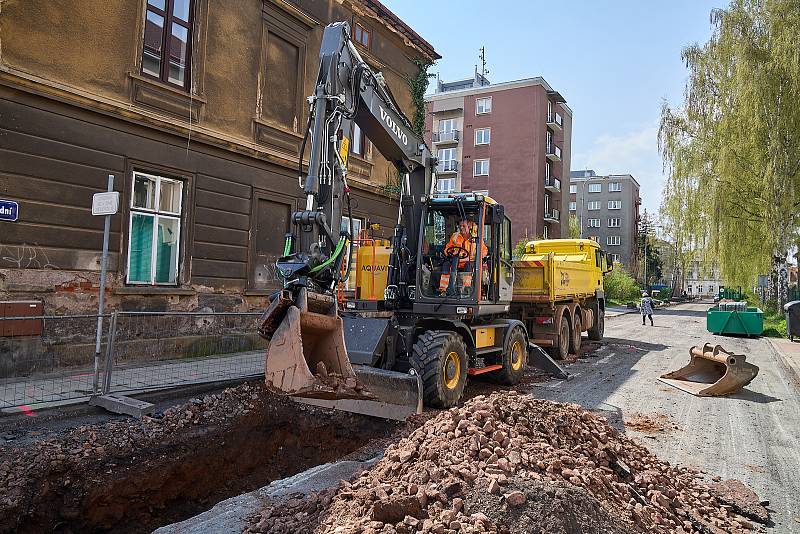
{"x":712,"y":371}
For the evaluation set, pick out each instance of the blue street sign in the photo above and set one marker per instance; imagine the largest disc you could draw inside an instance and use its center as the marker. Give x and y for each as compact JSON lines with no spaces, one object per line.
{"x":9,"y":210}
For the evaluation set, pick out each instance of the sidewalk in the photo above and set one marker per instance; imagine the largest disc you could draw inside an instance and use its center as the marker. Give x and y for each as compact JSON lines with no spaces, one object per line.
{"x":789,"y":356}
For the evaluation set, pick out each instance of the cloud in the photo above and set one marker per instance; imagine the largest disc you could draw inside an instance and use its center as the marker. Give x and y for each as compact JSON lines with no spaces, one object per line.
{"x":633,"y":153}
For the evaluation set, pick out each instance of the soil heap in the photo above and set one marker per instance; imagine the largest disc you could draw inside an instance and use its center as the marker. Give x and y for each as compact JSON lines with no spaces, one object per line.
{"x":511,"y":463}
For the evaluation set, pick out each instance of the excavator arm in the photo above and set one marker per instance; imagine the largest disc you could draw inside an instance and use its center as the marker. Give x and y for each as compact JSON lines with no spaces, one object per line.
{"x":307,"y":355}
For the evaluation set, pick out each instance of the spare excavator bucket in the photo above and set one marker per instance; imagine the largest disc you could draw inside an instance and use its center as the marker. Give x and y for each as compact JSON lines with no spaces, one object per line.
{"x":712,"y":372}
{"x":307,"y":360}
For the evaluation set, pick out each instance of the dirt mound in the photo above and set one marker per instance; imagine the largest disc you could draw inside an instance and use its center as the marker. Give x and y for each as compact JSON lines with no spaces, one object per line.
{"x":656,"y":422}
{"x":511,"y":463}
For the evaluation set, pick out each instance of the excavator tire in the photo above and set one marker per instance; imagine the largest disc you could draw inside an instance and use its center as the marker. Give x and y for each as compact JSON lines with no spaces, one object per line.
{"x":440,"y":358}
{"x":515,"y":359}
{"x":561,"y":350}
{"x":598,"y":328}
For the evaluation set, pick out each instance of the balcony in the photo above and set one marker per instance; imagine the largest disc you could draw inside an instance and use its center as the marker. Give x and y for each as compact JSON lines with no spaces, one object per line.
{"x":552,"y":216}
{"x":453,"y":136}
{"x":552,"y":184}
{"x":553,"y":152}
{"x":447,"y":166}
{"x":554,"y":121}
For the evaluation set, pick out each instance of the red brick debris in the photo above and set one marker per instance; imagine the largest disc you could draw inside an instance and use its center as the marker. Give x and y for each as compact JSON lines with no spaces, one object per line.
{"x":509,"y":463}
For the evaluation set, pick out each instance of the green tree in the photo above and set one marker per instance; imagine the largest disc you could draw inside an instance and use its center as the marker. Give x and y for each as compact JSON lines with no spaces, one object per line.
{"x":574,"y":227}
{"x":733,"y":148}
{"x":649,"y":254}
{"x":620,"y":286}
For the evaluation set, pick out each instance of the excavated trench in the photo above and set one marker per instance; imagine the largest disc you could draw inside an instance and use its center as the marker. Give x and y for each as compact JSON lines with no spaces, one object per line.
{"x":164,"y":484}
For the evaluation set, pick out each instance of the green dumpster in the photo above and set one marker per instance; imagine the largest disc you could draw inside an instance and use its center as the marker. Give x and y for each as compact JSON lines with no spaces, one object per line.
{"x":735,"y":318}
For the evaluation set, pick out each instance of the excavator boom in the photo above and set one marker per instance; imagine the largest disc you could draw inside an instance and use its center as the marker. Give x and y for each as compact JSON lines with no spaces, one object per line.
{"x":307,"y":355}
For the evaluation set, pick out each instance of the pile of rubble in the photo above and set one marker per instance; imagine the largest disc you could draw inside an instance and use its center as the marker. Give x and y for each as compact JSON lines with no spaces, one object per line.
{"x":511,"y":463}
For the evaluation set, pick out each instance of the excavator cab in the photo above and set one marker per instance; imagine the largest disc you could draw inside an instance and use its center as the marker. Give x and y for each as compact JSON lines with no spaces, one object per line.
{"x":465,"y":252}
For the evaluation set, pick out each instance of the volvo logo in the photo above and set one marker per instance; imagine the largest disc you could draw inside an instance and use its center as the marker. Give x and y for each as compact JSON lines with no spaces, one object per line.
{"x":394,"y":127}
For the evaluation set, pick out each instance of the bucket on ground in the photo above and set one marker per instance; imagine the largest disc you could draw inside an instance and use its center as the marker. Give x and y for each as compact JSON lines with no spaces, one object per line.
{"x":712,"y":371}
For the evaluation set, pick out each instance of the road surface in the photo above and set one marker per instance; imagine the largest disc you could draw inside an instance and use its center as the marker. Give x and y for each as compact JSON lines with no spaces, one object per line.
{"x":752,"y":436}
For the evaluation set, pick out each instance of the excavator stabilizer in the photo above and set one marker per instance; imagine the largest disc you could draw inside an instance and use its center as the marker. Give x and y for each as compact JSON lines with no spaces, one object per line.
{"x":712,"y":372}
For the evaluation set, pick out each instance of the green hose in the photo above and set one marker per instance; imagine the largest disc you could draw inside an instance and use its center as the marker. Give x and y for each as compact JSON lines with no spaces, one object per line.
{"x":339,"y":247}
{"x":288,"y":246}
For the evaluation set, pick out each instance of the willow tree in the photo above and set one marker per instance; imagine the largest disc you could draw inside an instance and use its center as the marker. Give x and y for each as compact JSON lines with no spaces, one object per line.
{"x":733,"y":148}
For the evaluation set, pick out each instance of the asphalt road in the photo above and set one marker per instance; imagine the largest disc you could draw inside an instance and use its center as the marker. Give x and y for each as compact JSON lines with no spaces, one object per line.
{"x":753,"y":436}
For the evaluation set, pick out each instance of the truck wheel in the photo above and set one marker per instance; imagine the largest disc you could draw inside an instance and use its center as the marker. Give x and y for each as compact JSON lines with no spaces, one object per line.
{"x":515,"y":359}
{"x":598,"y":329}
{"x":440,"y":358}
{"x":575,"y":339}
{"x":561,"y":350}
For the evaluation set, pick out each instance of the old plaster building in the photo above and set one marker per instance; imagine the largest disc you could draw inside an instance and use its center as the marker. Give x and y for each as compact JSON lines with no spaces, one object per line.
{"x":197,"y":107}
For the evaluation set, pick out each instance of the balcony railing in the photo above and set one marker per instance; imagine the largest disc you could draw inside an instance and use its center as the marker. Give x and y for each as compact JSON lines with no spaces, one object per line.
{"x":553,"y":152}
{"x":552,"y":184}
{"x":553,"y":215}
{"x":555,"y":121}
{"x":447,"y":166}
{"x":453,"y":136}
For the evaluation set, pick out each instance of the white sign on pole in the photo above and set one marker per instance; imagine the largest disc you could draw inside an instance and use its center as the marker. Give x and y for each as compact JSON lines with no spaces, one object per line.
{"x":105,"y":203}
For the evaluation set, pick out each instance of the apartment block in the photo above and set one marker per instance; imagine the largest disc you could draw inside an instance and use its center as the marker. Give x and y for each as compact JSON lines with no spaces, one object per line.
{"x":607,"y":208}
{"x":511,"y":140}
{"x":198,"y":109}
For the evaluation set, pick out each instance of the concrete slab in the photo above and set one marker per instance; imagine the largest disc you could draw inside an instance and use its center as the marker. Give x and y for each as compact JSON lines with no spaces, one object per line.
{"x":231,"y":514}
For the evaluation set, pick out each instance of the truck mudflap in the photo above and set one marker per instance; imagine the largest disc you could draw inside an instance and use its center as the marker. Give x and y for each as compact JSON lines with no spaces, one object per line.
{"x":398,"y":395}
{"x":712,"y":372}
{"x":538,"y":358}
{"x":306,"y":355}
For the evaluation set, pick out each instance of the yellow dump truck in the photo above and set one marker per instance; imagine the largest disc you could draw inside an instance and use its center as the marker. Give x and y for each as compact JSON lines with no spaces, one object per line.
{"x":558,"y":293}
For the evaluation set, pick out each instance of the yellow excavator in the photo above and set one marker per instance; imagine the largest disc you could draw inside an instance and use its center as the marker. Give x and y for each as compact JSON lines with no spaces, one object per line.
{"x":444,"y":309}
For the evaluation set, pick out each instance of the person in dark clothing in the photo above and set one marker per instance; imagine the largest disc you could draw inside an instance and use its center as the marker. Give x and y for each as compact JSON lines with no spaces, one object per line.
{"x":646,"y":307}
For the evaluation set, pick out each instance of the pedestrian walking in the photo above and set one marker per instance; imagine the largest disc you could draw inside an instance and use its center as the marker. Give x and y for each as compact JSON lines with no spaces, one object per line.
{"x":646,"y":307}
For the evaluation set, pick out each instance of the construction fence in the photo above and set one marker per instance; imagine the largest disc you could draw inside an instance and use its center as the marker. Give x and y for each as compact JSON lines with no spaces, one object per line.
{"x":57,"y":359}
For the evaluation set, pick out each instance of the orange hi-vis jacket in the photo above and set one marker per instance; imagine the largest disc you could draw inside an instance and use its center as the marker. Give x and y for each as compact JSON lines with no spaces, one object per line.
{"x":458,"y":240}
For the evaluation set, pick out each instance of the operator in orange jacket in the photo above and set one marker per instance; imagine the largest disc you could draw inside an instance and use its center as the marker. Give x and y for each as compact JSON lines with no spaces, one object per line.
{"x":460,"y":254}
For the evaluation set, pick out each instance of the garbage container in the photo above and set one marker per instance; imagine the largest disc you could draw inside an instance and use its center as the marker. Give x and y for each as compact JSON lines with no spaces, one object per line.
{"x":792,"y":310}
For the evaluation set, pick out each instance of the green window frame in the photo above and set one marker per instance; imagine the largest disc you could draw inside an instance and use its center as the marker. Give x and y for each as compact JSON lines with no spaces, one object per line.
{"x":154,"y":230}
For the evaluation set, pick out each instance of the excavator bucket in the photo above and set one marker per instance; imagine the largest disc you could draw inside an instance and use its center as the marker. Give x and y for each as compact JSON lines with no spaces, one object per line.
{"x":307,"y":360}
{"x":712,"y":372}
{"x":306,"y":355}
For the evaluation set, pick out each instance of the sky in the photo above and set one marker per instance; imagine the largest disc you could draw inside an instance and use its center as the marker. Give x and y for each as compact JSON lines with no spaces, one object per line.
{"x":614,"y":61}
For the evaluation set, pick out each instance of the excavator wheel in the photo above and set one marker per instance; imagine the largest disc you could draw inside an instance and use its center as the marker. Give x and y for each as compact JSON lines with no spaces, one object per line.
{"x":598,"y":329}
{"x":515,"y":359}
{"x":577,"y":330}
{"x":440,"y":358}
{"x":561,"y":351}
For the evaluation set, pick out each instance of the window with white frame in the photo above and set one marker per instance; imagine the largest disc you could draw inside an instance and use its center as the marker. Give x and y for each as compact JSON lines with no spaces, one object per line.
{"x":447,"y":125}
{"x":545,"y":233}
{"x":613,"y":222}
{"x":614,"y":187}
{"x":482,"y":136}
{"x":593,"y":223}
{"x":612,"y":240}
{"x":573,"y":189}
{"x":445,"y":185}
{"x":548,"y":169}
{"x":595,"y":238}
{"x":595,"y":188}
{"x":614,"y":204}
{"x":154,"y":230}
{"x":594,"y":205}
{"x":572,"y":206}
{"x":615,"y":258}
{"x":447,"y":159}
{"x":483,"y":105}
{"x":481,"y":167}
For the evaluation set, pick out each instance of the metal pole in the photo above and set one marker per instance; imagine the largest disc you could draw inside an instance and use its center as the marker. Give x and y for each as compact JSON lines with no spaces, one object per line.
{"x":101,"y":300}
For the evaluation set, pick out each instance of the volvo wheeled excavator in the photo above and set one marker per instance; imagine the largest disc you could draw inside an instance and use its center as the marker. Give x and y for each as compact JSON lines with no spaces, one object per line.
{"x":444,"y":311}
